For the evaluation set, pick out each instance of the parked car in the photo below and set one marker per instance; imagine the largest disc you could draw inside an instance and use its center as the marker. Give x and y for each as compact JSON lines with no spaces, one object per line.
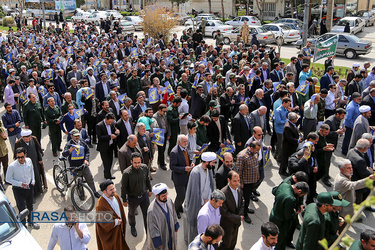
{"x":213,"y":25}
{"x":295,"y":27}
{"x":348,"y":45}
{"x":135,"y":20}
{"x":356,"y":25}
{"x":295,"y":21}
{"x":127,"y":26}
{"x":197,"y":20}
{"x":13,"y":235}
{"x":207,"y":15}
{"x":264,"y":36}
{"x":369,"y":17}
{"x":80,"y":16}
{"x":95,"y":17}
{"x":115,"y":14}
{"x":283,"y":34}
{"x":239,"y":21}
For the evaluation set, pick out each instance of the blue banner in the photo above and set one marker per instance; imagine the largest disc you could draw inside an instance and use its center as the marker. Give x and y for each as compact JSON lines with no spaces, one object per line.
{"x":303,"y":88}
{"x":9,"y":57}
{"x":203,"y":148}
{"x":87,"y":92}
{"x":227,"y":148}
{"x":266,"y":156}
{"x":158,"y":137}
{"x":23,"y":97}
{"x":276,"y":85}
{"x":197,"y":76}
{"x":43,"y":91}
{"x":77,"y":44}
{"x":122,"y":98}
{"x":29,"y":71}
{"x":153,"y":96}
{"x":78,"y":113}
{"x":69,"y":50}
{"x":134,"y":53}
{"x":169,"y":87}
{"x":78,"y":153}
{"x":49,"y":74}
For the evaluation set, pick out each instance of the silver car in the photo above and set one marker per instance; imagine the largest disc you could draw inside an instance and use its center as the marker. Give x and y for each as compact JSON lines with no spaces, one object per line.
{"x":264,"y":36}
{"x":126,"y":26}
{"x":356,"y":25}
{"x":348,"y":45}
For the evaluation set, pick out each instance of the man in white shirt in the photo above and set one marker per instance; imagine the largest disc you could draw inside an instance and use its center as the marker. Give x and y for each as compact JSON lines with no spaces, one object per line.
{"x":72,"y":234}
{"x":331,"y":101}
{"x":268,"y":241}
{"x":20,"y":174}
{"x":184,"y":109}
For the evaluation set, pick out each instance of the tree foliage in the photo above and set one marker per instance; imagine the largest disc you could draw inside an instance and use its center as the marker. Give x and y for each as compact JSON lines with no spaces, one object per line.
{"x":158,"y":21}
{"x":80,"y":3}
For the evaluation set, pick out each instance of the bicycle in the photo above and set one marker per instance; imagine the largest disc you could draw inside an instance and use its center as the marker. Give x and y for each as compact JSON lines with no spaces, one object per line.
{"x":81,"y":194}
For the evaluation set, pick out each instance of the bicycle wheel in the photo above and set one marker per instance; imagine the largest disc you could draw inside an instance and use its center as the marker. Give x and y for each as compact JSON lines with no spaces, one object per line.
{"x":60,"y":178}
{"x":82,"y":197}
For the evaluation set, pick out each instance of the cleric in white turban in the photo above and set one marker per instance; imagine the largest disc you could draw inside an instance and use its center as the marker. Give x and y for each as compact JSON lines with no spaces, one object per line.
{"x":361,"y":125}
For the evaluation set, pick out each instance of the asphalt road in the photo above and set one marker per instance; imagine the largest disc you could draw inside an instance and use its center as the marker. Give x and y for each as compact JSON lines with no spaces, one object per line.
{"x":248,"y":233}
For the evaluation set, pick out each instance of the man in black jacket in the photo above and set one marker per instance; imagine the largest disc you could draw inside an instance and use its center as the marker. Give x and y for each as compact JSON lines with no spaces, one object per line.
{"x":241,"y":128}
{"x":217,"y":131}
{"x":226,"y":103}
{"x":221,"y":175}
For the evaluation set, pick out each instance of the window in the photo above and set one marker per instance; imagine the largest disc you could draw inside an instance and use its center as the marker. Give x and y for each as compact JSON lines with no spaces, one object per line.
{"x":342,"y":39}
{"x":269,"y":9}
{"x":245,"y":19}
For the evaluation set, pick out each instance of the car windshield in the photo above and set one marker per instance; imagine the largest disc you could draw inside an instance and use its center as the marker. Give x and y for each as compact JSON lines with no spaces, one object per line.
{"x":353,"y":38}
{"x":344,"y":22}
{"x":284,"y":27}
{"x":219,"y":23}
{"x":8,"y":224}
{"x":261,"y":30}
{"x":365,"y":14}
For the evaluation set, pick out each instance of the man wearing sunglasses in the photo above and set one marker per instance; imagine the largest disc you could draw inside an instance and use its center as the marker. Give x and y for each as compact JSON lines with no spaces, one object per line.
{"x":20,"y":174}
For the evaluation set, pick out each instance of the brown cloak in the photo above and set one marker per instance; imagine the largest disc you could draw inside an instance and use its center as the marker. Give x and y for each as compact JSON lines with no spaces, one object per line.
{"x":107,"y":235}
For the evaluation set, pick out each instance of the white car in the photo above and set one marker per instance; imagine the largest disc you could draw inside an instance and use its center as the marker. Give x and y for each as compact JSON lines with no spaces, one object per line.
{"x":127,"y":26}
{"x":80,"y":16}
{"x":239,"y":21}
{"x":356,"y":25}
{"x":115,"y":14}
{"x":212,"y":26}
{"x":197,"y":20}
{"x":135,"y":20}
{"x":13,"y":235}
{"x":283,"y":33}
{"x":95,"y":17}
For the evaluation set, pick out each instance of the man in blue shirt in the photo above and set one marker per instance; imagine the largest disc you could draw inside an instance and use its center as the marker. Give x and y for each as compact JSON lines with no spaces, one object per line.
{"x":11,"y":121}
{"x":51,"y":93}
{"x":281,"y":117}
{"x":352,"y":112}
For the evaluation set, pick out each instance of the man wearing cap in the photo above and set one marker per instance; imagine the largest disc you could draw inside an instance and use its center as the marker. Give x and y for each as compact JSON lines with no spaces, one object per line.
{"x":361,"y":125}
{"x":212,"y":105}
{"x":33,"y":115}
{"x":78,"y":153}
{"x":198,"y":192}
{"x":313,"y":226}
{"x":333,"y":219}
{"x":111,"y":235}
{"x":286,"y":209}
{"x":136,"y":190}
{"x":162,"y":223}
{"x":53,"y":116}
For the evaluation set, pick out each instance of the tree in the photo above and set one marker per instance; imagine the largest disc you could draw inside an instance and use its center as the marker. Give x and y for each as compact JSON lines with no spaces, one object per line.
{"x":209,"y":6}
{"x":21,"y":6}
{"x":80,"y":3}
{"x":158,"y":21}
{"x":222,"y":10}
{"x":260,"y":6}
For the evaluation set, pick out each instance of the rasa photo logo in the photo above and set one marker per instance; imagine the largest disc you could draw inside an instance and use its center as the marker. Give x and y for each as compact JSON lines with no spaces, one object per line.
{"x":62,"y":217}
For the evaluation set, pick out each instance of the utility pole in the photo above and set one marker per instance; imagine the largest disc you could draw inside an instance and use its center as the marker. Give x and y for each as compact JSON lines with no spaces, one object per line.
{"x":44,"y":14}
{"x":330,"y":5}
{"x":305,"y":22}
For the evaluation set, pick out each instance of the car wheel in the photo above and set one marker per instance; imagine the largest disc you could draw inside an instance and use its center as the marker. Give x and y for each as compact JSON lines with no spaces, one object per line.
{"x":279,"y":40}
{"x":350,"y":54}
{"x":226,"y":41}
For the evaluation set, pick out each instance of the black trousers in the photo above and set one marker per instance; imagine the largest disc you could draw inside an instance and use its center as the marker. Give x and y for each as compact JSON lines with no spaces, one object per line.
{"x":24,"y":199}
{"x":312,"y":185}
{"x":161,"y":153}
{"x":107,"y":158}
{"x":91,"y":127}
{"x":134,"y":202}
{"x":180,"y":196}
{"x":247,"y":191}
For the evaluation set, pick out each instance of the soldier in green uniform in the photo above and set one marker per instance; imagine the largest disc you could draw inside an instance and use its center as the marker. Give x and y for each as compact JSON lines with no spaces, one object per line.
{"x":68,"y":100}
{"x":33,"y":116}
{"x":284,"y":211}
{"x":333,"y":220}
{"x":39,"y":64}
{"x":212,"y":105}
{"x":321,"y":148}
{"x":23,"y":61}
{"x":217,"y":72}
{"x":367,"y":241}
{"x":202,"y":124}
{"x":53,"y":116}
{"x":220,"y":83}
{"x":184,"y":83}
{"x":134,"y":85}
{"x":313,"y":226}
{"x":173,"y":118}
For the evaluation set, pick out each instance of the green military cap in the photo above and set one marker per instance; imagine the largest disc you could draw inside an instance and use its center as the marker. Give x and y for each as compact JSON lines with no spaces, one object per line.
{"x":337,"y":196}
{"x":232,"y":75}
{"x":186,"y":62}
{"x":213,"y":104}
{"x":220,"y":76}
{"x":191,"y":50}
{"x":327,"y":198}
{"x":217,"y":67}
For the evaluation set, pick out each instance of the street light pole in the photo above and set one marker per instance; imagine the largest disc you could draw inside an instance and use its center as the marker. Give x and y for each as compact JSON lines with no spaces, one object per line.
{"x":44,"y":14}
{"x":305,"y":22}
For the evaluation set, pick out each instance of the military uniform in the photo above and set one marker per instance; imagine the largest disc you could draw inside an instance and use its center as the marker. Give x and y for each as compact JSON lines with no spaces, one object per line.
{"x":174,"y":121}
{"x":357,"y":245}
{"x":245,"y":32}
{"x":332,"y":225}
{"x":312,"y":229}
{"x":54,"y":132}
{"x":133,"y":87}
{"x":33,"y":116}
{"x":170,"y":80}
{"x":20,"y":64}
{"x":186,"y":85}
{"x":201,"y":134}
{"x":283,"y":213}
{"x":64,"y":107}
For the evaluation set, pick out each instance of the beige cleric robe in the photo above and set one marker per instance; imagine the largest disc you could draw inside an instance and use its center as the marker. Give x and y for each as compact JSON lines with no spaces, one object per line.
{"x":157,"y":227}
{"x":109,"y":236}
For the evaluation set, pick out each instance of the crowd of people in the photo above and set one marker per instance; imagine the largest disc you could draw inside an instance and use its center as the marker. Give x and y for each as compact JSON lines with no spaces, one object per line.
{"x":205,"y":109}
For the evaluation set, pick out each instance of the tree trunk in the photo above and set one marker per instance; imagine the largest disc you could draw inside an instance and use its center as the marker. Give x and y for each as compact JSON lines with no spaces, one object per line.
{"x":247,"y":7}
{"x":222,"y":10}
{"x":209,"y":6}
